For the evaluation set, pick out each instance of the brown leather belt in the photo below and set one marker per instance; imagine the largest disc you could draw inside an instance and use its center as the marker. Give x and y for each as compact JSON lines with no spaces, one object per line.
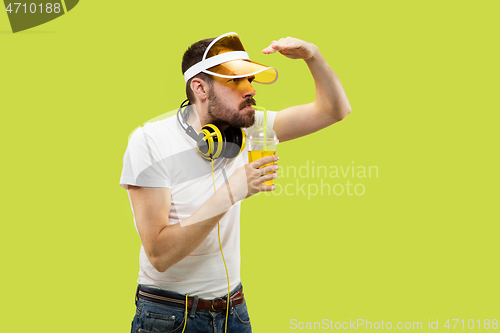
{"x":168,"y":298}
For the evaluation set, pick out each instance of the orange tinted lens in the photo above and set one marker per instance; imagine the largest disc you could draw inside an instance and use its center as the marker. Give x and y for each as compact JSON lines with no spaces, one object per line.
{"x":246,"y":67}
{"x":267,"y":76}
{"x":235,"y":67}
{"x":225,"y":44}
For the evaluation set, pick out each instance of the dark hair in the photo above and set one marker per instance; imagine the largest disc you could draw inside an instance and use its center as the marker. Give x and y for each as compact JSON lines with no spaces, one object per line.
{"x":192,"y":56}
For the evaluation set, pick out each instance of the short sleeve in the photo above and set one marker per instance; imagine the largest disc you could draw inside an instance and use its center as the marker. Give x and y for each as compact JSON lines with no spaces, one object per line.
{"x":143,"y":164}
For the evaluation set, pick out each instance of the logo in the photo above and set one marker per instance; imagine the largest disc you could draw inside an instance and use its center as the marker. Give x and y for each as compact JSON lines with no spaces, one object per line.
{"x":26,"y":15}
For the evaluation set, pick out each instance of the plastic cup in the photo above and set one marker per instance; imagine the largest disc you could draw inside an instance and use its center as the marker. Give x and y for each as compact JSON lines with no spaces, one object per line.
{"x":262,"y":142}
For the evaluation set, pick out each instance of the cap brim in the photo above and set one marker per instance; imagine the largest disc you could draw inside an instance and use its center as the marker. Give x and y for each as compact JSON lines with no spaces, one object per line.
{"x":243,"y":68}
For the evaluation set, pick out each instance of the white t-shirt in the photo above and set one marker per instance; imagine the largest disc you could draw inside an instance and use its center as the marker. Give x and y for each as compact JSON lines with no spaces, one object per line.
{"x":161,"y":154}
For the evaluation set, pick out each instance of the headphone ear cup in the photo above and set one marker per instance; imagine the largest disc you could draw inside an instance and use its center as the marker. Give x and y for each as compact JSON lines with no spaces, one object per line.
{"x":212,"y":144}
{"x":235,"y":141}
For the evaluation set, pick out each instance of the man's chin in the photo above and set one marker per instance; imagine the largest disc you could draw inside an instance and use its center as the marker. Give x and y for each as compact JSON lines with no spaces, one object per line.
{"x":245,"y":118}
{"x":250,"y":120}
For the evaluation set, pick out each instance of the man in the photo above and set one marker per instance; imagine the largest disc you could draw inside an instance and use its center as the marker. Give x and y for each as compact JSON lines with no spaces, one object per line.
{"x":181,"y":219}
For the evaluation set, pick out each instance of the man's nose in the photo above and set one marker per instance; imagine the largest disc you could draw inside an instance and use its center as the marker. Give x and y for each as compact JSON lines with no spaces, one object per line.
{"x":249,"y":90}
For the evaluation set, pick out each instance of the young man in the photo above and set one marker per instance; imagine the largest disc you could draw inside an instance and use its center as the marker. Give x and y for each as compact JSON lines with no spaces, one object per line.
{"x":183,"y":195}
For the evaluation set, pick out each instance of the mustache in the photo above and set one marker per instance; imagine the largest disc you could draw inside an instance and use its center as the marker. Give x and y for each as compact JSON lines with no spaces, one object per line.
{"x":248,"y":102}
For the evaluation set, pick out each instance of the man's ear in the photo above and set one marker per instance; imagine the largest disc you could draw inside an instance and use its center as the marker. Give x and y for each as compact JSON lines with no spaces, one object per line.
{"x":200,"y":88}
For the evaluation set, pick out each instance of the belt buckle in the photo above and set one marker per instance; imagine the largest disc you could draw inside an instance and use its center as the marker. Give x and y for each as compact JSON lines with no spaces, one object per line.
{"x":215,"y":299}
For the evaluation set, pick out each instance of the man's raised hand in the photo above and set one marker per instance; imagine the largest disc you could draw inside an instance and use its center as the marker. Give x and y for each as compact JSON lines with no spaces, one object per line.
{"x":292,"y":48}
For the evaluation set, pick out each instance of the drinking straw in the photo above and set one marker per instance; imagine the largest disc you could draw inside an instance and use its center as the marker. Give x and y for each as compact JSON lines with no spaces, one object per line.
{"x":260,"y":108}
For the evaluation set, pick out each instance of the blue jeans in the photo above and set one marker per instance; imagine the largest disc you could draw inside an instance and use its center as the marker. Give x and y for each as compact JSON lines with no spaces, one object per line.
{"x":155,"y":317}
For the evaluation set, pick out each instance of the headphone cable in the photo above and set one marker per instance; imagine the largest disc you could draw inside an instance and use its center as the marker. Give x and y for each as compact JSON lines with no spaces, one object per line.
{"x":220,"y":244}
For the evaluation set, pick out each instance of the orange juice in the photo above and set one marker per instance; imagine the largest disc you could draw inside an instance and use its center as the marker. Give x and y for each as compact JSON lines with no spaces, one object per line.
{"x":256,"y":154}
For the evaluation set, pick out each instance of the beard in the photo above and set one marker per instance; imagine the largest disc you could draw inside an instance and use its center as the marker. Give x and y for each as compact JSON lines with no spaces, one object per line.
{"x":223,"y":114}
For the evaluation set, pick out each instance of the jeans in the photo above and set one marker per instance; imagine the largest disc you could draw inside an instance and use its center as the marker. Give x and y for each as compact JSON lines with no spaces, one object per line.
{"x":154,"y":317}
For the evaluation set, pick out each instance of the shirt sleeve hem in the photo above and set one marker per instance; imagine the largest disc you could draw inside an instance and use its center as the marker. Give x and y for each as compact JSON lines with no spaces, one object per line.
{"x":125,"y":182}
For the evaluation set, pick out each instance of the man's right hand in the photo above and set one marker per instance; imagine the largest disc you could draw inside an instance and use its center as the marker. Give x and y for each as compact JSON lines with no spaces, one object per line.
{"x":248,"y":179}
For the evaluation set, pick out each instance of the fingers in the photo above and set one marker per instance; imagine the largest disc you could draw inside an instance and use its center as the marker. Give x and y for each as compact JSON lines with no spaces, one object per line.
{"x":270,"y":49}
{"x":282,"y":45}
{"x":259,"y":176}
{"x":268,"y":169}
{"x":268,"y":177}
{"x":262,"y":187}
{"x":274,"y":47}
{"x":259,"y":172}
{"x":265,"y":188}
{"x":292,"y":48}
{"x":263,"y":161}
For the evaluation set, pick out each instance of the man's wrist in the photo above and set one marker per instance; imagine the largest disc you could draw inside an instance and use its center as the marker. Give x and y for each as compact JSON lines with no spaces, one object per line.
{"x":315,"y":57}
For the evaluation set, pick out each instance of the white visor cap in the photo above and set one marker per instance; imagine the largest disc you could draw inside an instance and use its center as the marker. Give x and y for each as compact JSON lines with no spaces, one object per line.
{"x":225,"y":57}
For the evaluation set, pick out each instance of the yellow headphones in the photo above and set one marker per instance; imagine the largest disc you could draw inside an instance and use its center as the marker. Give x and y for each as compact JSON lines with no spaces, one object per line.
{"x":212,"y":142}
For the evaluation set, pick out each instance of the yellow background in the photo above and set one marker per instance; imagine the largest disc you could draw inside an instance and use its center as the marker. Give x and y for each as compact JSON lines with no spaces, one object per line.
{"x":422,"y":241}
